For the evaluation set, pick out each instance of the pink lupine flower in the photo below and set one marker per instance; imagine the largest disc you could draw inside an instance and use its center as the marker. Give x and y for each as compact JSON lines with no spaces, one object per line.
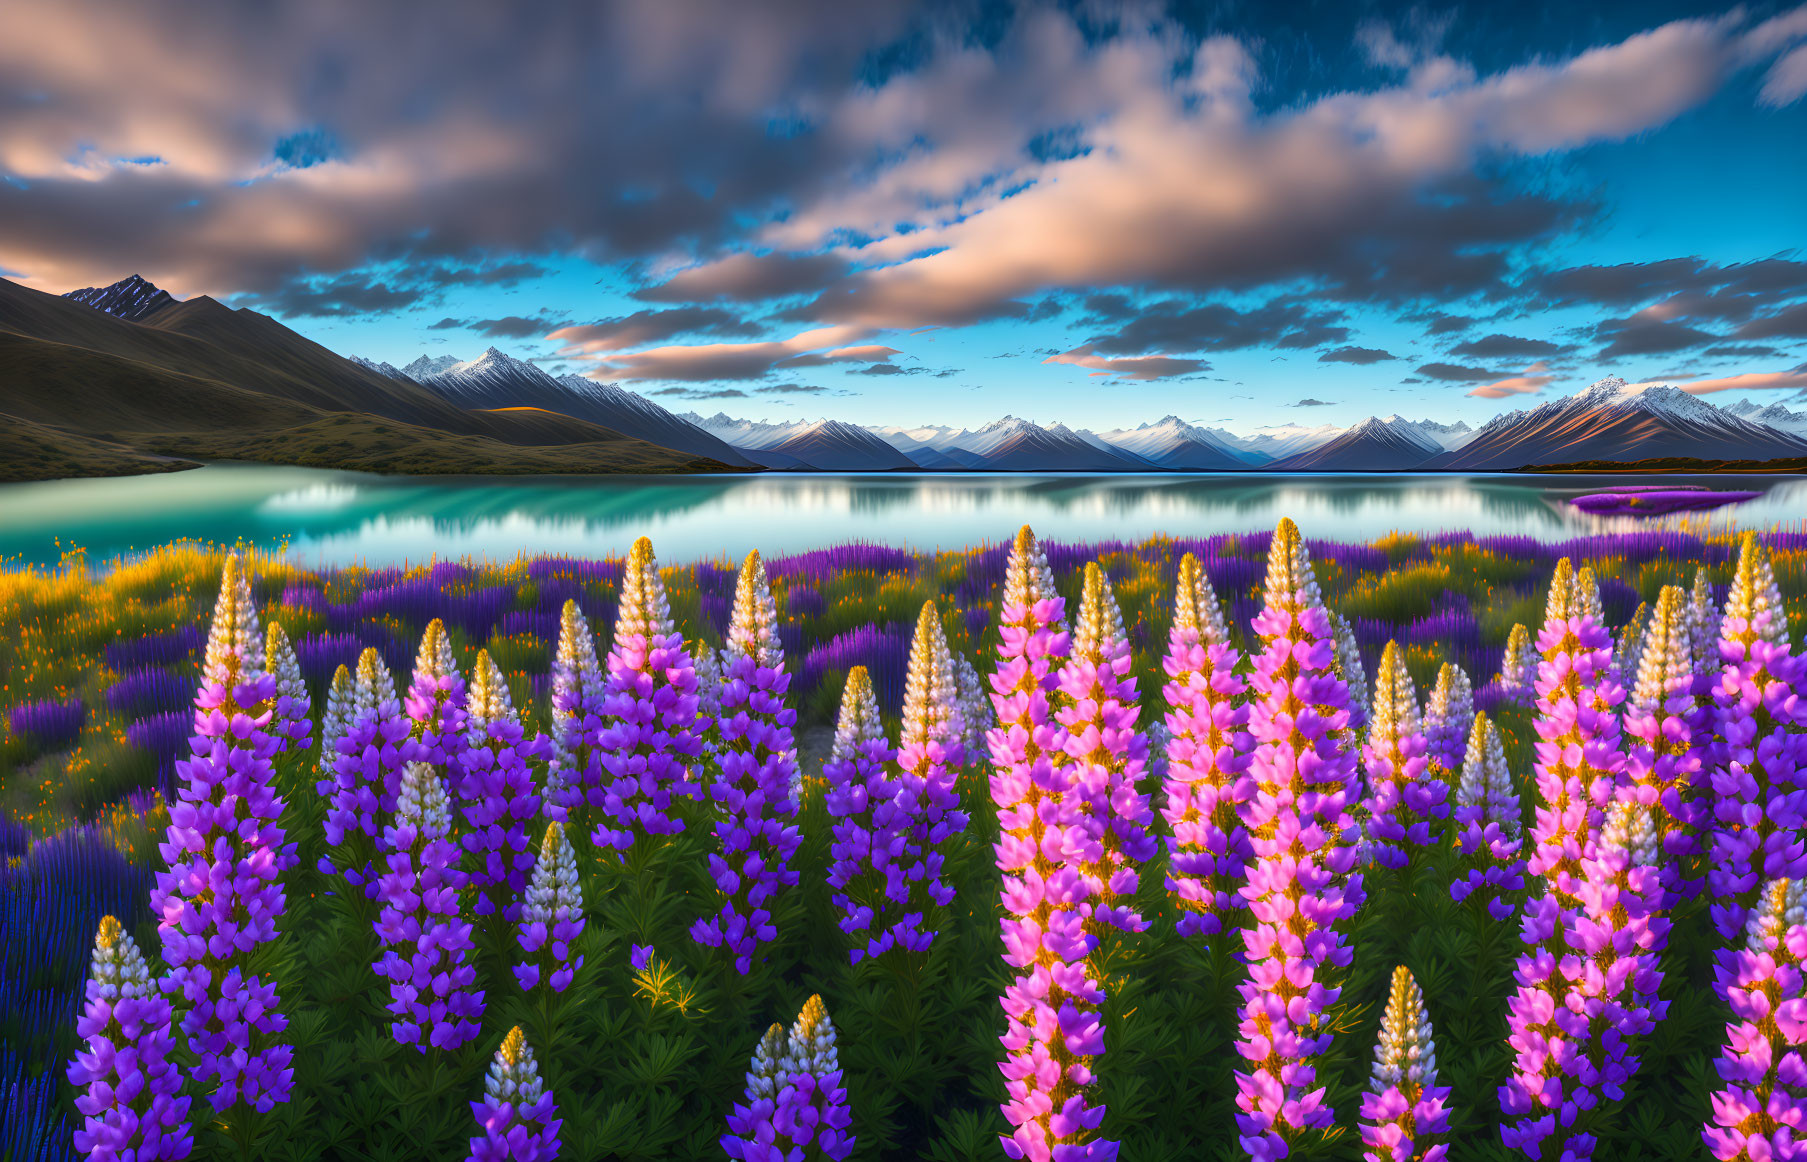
{"x":1301,"y":883}
{"x":1762,"y":1108}
{"x":1207,"y":753}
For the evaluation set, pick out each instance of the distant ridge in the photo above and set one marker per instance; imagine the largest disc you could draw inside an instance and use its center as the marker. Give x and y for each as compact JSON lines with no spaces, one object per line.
{"x":130,"y":298}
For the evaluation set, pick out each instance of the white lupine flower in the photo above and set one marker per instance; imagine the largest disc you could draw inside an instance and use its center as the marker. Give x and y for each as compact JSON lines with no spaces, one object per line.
{"x":1754,"y":593}
{"x":279,"y":656}
{"x":235,"y":645}
{"x":1666,"y":663}
{"x":423,"y":802}
{"x":975,"y":707}
{"x":753,"y":628}
{"x":768,"y":1059}
{"x":1486,"y":781}
{"x":1518,"y":665}
{"x":1406,"y":1055}
{"x":644,"y":610}
{"x":1099,"y":631}
{"x":1561,"y":600}
{"x":435,"y":657}
{"x":1629,"y":828}
{"x":1349,"y":665}
{"x":1783,"y":905}
{"x":1587,"y":597}
{"x":1703,"y":624}
{"x":341,"y":697}
{"x":576,"y":677}
{"x":708,"y":683}
{"x":487,"y":701}
{"x":514,"y":1076}
{"x":859,"y":721}
{"x":375,"y":694}
{"x":810,"y":1048}
{"x":118,"y":966}
{"x":555,"y":884}
{"x":1395,"y":714}
{"x":1195,"y":605}
{"x":1291,"y":584}
{"x":1628,"y":648}
{"x":931,"y":707}
{"x":1027,"y":577}
{"x":1449,"y":713}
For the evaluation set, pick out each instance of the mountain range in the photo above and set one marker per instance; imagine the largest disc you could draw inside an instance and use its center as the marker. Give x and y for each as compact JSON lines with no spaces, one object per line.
{"x":127,"y":378}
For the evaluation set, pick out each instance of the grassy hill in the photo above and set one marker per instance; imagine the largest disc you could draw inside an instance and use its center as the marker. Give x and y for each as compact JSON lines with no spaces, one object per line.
{"x":30,"y":451}
{"x":1675,"y":464}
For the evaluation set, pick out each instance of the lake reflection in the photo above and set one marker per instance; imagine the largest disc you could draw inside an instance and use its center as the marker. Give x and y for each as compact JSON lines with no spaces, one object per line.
{"x":340,"y":518}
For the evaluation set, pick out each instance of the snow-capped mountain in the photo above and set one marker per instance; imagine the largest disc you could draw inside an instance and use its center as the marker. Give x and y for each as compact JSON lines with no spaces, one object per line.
{"x":1773,"y":416}
{"x":496,"y":380}
{"x":1614,"y":421}
{"x":427,"y":365}
{"x":1283,"y":440}
{"x":129,"y":298}
{"x":1173,"y":443}
{"x":389,"y":369}
{"x":1374,"y":445}
{"x":1447,"y":436}
{"x":825,"y":445}
{"x":1017,"y":445}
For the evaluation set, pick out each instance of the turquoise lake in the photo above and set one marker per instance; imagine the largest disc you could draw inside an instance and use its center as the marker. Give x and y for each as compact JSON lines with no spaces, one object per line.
{"x":337,"y":518}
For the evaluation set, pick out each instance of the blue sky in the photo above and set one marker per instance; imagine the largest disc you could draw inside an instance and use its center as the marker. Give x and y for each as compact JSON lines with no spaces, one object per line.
{"x":898,"y":213}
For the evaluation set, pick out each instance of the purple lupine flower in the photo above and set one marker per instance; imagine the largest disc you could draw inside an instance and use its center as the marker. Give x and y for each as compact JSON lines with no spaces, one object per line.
{"x":1448,"y":719}
{"x":1403,"y":1114}
{"x":496,"y":793}
{"x":435,"y":703}
{"x":794,"y":1104}
{"x":1405,"y":792}
{"x":1588,"y":984}
{"x":1518,"y":665}
{"x":1347,"y":665}
{"x":293,"y":724}
{"x":1106,"y":757}
{"x":1487,"y":826}
{"x":1759,"y":792}
{"x":1207,"y":753}
{"x":1054,"y":1028}
{"x":426,"y":940}
{"x":369,"y":749}
{"x":1666,"y":721}
{"x":1762,"y":1107}
{"x":551,"y":916}
{"x":870,"y":827}
{"x":222,"y":894}
{"x":1301,"y":882}
{"x":577,"y":701}
{"x":131,"y":1092}
{"x":1703,"y":624}
{"x":755,"y":760}
{"x":649,"y":733}
{"x":1579,"y":758}
{"x":929,"y":757}
{"x":517,"y":1117}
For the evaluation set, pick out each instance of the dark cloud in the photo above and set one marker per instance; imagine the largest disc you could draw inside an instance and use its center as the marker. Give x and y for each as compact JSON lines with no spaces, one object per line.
{"x":1790,"y":323}
{"x":790,"y":389}
{"x":883,"y":369}
{"x":1456,"y":373}
{"x":748,"y":278}
{"x":1498,"y":346}
{"x":1643,"y":334}
{"x":1358,"y":355}
{"x":1440,"y":324}
{"x":646,"y":328}
{"x":448,"y":324}
{"x":1308,"y":402}
{"x":701,"y":393}
{"x":1173,"y":326}
{"x":348,"y":294}
{"x":1719,"y":291}
{"x":516,"y":326}
{"x":1744,"y":351}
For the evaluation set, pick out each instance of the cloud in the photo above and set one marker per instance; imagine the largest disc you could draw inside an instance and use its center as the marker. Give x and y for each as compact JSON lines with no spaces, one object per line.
{"x":516,"y":326}
{"x":701,"y":393}
{"x":1456,"y":373}
{"x":1506,"y":347}
{"x":1750,"y":381}
{"x":643,"y":327}
{"x":790,"y":389}
{"x":1743,"y":351}
{"x":1174,"y":326}
{"x":1649,"y":333}
{"x":1308,"y":402}
{"x":1529,"y":382}
{"x":348,"y":294}
{"x":1787,"y":79}
{"x":812,"y":348}
{"x":1437,"y":323}
{"x":1693,"y":287}
{"x":748,"y":278}
{"x":1139,"y":367}
{"x":1361,"y":355}
{"x":1790,"y":323}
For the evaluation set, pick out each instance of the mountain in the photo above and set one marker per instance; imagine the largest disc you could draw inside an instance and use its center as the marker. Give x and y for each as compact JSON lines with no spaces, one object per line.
{"x":1374,"y":445}
{"x":1172,"y":443}
{"x":1773,"y":416}
{"x":1447,"y":436}
{"x":388,"y":369}
{"x":1017,"y":445}
{"x":1283,"y":440}
{"x":824,"y":445}
{"x":428,"y":365}
{"x":1610,"y":421}
{"x":129,"y":298}
{"x":495,"y":381}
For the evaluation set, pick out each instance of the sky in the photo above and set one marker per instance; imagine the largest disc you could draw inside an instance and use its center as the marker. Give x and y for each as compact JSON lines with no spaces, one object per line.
{"x":1243,"y":214}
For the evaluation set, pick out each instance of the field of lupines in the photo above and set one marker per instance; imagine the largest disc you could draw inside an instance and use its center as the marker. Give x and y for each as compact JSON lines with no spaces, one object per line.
{"x":1028,"y":851}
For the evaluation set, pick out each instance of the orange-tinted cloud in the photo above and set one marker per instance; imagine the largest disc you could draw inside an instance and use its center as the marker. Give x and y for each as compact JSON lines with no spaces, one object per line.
{"x":1749,"y":381}
{"x":1141,"y":367}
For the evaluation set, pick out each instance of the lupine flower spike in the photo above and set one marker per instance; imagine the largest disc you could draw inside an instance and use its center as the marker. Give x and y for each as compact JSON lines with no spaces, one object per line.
{"x":1762,"y":1107}
{"x":517,"y":1120}
{"x":1107,"y":755}
{"x":929,"y":757}
{"x":1207,"y":754}
{"x":649,"y":733}
{"x":427,"y":942}
{"x":293,"y":723}
{"x":1403,"y":1113}
{"x":756,"y":760}
{"x":1406,"y":795}
{"x":1053,"y":1030}
{"x":866,"y":873}
{"x":496,"y":794}
{"x":1301,"y":883}
{"x":369,"y":749}
{"x":1665,"y":725}
{"x":552,"y":916}
{"x":1448,"y":717}
{"x":1487,"y":825}
{"x":1518,"y":665}
{"x":1760,"y":725}
{"x":334,"y":722}
{"x":222,"y":895}
{"x":1628,"y":645}
{"x":577,"y":698}
{"x":1703,"y":624}
{"x":129,"y":1092}
{"x":975,"y":710}
{"x":435,"y":703}
{"x":1349,"y":668}
{"x":752,"y":1134}
{"x":812,"y":1104}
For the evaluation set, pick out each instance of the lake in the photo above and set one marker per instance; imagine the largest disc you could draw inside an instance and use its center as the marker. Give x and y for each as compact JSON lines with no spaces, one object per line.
{"x":339,"y":518}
